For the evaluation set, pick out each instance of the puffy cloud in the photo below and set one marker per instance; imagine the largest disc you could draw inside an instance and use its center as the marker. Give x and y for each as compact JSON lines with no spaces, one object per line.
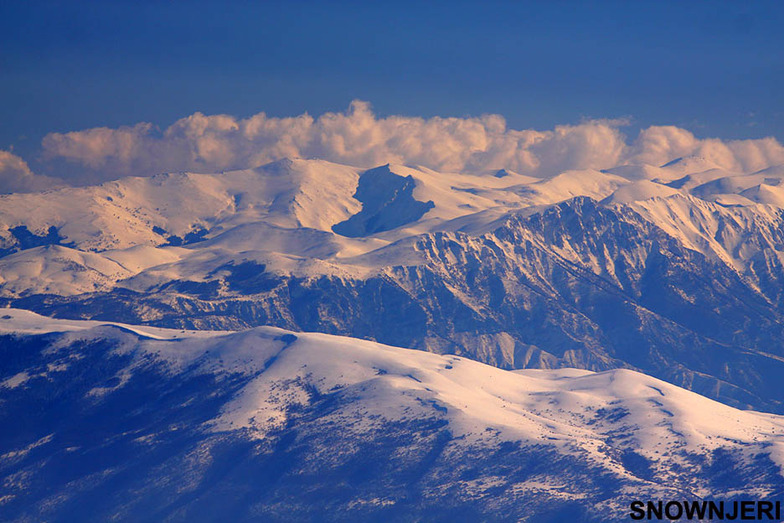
{"x":16,"y":176}
{"x":99,"y":146}
{"x":658,"y":145}
{"x":591,"y":145}
{"x":357,"y":137}
{"x":754,"y":155}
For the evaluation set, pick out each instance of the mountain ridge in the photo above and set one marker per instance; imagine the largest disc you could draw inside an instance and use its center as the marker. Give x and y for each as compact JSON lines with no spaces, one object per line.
{"x":219,"y":418}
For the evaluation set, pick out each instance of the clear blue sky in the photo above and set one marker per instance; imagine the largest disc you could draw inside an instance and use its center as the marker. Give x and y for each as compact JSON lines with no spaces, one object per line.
{"x":716,"y":68}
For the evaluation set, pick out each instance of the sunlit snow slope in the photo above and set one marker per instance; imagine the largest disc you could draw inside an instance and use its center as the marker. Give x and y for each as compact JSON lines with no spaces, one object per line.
{"x":118,"y":421}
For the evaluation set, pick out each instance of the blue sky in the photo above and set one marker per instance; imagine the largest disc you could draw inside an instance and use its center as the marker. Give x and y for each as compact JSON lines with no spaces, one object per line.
{"x":714,"y":68}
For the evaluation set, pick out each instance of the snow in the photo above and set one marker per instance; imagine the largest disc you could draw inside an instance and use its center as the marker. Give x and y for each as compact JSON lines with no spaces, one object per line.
{"x":574,"y":410}
{"x":123,"y":213}
{"x":764,"y":193}
{"x":281,"y":215}
{"x":643,"y":172}
{"x":27,"y":322}
{"x":555,"y":407}
{"x":725,"y":232}
{"x":54,"y":269}
{"x":690,"y":165}
{"x":594,"y":184}
{"x":639,"y":191}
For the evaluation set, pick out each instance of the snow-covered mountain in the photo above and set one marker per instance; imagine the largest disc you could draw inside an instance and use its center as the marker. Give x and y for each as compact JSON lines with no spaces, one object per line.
{"x":676,"y":270}
{"x":114,"y":421}
{"x":236,"y":345}
{"x":293,"y":212}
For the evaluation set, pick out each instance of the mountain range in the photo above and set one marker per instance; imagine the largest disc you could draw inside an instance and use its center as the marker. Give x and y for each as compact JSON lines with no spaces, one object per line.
{"x":244,"y":338}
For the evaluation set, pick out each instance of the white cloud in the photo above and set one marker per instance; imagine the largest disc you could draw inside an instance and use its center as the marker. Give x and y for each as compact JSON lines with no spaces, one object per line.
{"x":357,"y":137}
{"x":658,"y":145}
{"x":754,"y":155}
{"x":16,"y":176}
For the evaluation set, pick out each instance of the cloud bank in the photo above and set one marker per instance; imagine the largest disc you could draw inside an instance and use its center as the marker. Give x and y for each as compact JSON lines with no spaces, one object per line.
{"x":16,"y":176}
{"x":357,"y":137}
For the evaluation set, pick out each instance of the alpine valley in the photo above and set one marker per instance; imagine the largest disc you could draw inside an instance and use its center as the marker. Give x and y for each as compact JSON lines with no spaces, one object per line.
{"x":313,"y":341}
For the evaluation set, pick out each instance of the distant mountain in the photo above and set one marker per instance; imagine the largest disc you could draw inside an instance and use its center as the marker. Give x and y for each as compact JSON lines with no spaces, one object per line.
{"x":676,"y":271}
{"x":113,"y":421}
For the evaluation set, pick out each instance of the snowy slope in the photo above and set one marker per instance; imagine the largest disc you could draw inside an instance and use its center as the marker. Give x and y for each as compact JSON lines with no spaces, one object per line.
{"x":17,"y":321}
{"x":322,"y":402}
{"x":639,"y":191}
{"x":146,"y":211}
{"x":733,"y":235}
